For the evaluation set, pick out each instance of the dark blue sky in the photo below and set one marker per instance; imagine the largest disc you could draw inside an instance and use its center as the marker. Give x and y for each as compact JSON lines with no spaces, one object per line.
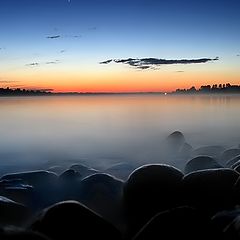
{"x":95,"y":30}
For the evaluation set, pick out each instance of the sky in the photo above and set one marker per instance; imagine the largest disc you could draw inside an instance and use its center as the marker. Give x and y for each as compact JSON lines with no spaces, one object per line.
{"x":118,"y":46}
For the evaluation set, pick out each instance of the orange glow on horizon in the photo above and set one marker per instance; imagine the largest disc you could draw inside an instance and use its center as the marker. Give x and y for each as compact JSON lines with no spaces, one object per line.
{"x":119,"y":81}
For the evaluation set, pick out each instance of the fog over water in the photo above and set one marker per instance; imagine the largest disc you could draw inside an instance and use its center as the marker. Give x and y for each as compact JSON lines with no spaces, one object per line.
{"x":101,"y":130}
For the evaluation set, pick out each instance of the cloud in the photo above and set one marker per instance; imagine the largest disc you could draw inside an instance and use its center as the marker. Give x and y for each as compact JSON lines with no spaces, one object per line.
{"x":52,"y":62}
{"x":65,"y":36}
{"x":33,"y":64}
{"x":106,"y":62}
{"x":180,"y":71}
{"x":153,"y":63}
{"x":238,"y":55}
{"x":63,"y":51}
{"x":54,"y":37}
{"x":73,"y":36}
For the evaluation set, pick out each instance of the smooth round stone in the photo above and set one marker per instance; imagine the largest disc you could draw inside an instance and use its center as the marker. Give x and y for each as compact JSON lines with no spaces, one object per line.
{"x":149,"y":190}
{"x":180,"y":223}
{"x":11,"y":212}
{"x":234,"y":162}
{"x":210,"y":190}
{"x":229,"y":154}
{"x":72,"y":220}
{"x":201,"y":163}
{"x":34,"y":178}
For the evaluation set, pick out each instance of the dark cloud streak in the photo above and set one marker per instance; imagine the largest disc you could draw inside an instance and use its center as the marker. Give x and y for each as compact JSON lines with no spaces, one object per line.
{"x":153,"y":63}
{"x":54,"y":37}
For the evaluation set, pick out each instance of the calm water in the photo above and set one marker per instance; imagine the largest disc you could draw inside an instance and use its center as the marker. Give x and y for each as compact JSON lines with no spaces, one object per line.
{"x":111,"y":128}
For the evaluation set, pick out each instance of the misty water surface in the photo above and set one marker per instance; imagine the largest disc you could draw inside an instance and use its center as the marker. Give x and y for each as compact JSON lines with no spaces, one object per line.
{"x":104,"y":129}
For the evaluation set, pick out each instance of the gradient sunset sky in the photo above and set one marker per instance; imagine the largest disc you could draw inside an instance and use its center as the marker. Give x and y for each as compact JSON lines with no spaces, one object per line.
{"x":59,"y":44}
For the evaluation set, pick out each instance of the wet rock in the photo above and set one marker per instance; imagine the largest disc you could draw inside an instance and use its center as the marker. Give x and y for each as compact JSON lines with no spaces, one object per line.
{"x":201,"y":163}
{"x":12,"y":213}
{"x":149,"y":190}
{"x":180,"y":223}
{"x":210,"y":190}
{"x":72,"y":220}
{"x":229,"y":154}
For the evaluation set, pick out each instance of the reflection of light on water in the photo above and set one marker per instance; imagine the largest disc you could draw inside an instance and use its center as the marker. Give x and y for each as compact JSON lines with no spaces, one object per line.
{"x":165,"y":93}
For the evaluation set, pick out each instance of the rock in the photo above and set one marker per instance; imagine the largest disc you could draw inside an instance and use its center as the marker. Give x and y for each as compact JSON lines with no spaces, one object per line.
{"x":175,"y":141}
{"x":103,"y":194}
{"x":229,"y":154}
{"x":186,"y":150}
{"x":180,"y":223}
{"x":72,"y":220}
{"x":44,"y":187}
{"x":70,"y":175}
{"x":149,"y":190}
{"x":20,"y":234}
{"x":83,"y":170}
{"x":201,"y":163}
{"x":232,"y":231}
{"x":210,"y":190}
{"x":237,"y":168}
{"x":57,"y":169}
{"x":232,"y":163}
{"x":17,"y":190}
{"x":222,"y":219}
{"x":34,"y":178}
{"x":12,"y":213}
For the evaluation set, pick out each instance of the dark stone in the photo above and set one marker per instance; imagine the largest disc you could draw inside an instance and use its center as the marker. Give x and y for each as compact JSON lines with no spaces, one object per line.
{"x":201,"y":163}
{"x":12,"y":213}
{"x":210,"y":190}
{"x":151,"y":189}
{"x":70,"y":175}
{"x":234,"y":162}
{"x":232,"y":231}
{"x":222,"y":219}
{"x":229,"y":154}
{"x":18,"y":234}
{"x":72,"y":220}
{"x":83,"y":170}
{"x":34,"y":178}
{"x":180,"y":223}
{"x":103,"y":194}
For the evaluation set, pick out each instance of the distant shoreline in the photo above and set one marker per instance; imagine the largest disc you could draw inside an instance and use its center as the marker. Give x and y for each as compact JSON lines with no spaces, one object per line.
{"x":223,"y":89}
{"x":106,"y":93}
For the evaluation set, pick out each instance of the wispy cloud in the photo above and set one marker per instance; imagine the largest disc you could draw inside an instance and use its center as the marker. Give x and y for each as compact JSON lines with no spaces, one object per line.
{"x":53,"y":62}
{"x":154,"y":63}
{"x":63,"y":36}
{"x":180,"y":71}
{"x":238,"y":55}
{"x":35,"y":64}
{"x":53,"y":37}
{"x":107,"y":61}
{"x":73,"y":36}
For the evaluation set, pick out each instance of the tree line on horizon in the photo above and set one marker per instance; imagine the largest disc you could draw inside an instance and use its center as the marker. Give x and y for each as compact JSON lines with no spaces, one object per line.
{"x":21,"y":92}
{"x":215,"y":88}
